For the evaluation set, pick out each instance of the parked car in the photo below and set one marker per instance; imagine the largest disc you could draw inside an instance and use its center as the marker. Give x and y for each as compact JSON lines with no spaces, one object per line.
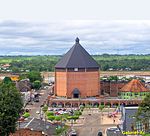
{"x":100,"y":133}
{"x":37,"y":112}
{"x":73,"y":133}
{"x":36,"y":100}
{"x":113,"y":131}
{"x":57,"y":113}
{"x":56,"y":109}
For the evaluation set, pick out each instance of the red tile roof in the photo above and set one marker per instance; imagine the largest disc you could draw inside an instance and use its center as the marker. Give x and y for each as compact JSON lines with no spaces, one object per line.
{"x":134,"y":86}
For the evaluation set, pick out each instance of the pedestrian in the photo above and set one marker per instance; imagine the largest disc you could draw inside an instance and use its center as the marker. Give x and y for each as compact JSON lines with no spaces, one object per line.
{"x":114,"y":120}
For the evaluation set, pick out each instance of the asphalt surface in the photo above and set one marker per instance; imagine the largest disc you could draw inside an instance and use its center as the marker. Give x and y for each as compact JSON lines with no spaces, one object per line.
{"x":36,"y":105}
{"x":92,"y":124}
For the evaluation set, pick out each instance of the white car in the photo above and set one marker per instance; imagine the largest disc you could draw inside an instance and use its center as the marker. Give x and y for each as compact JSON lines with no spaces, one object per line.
{"x":37,"y":112}
{"x":73,"y":133}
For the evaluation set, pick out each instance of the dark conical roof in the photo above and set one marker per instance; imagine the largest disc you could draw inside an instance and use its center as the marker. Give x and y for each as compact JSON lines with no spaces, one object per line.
{"x":77,"y":57}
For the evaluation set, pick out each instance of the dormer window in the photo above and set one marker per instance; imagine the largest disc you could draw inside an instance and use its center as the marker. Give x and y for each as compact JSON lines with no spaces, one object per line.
{"x":75,"y":69}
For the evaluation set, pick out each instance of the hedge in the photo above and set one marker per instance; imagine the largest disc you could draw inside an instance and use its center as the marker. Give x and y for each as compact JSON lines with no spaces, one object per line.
{"x":26,"y":115}
{"x":57,"y":118}
{"x":51,"y":118}
{"x":49,"y":113}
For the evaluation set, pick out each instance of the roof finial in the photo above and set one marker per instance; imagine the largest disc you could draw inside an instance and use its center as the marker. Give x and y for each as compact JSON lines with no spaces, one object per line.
{"x":77,"y":40}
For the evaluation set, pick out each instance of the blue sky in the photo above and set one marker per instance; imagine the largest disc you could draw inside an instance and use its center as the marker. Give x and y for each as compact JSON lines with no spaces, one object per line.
{"x":31,"y":27}
{"x":96,"y":36}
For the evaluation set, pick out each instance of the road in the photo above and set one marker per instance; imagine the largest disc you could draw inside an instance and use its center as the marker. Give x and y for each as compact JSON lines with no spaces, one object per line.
{"x":36,"y":105}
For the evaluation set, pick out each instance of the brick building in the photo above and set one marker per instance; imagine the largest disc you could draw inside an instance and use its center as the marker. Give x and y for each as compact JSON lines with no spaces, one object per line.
{"x":77,"y":74}
{"x":111,"y":88}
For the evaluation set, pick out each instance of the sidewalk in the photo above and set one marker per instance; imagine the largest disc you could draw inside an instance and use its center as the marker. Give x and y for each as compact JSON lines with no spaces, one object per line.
{"x":110,"y":120}
{"x":78,"y":122}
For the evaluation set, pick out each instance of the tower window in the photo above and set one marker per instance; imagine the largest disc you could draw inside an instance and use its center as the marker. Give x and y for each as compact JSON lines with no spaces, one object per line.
{"x":75,"y":69}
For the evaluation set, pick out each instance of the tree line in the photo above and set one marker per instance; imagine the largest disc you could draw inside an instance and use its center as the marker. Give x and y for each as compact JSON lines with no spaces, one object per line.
{"x":105,"y":61}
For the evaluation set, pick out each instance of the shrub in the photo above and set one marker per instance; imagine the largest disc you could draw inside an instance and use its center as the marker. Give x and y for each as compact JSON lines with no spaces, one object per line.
{"x":82,"y":106}
{"x":26,"y":115}
{"x":49,"y":113}
{"x":57,"y":118}
{"x":65,"y":115}
{"x":73,"y":117}
{"x":78,"y":113}
{"x":101,"y":107}
{"x":59,"y":130}
{"x":82,"y":109}
{"x":88,"y":106}
{"x":95,"y":106}
{"x":51,"y":118}
{"x":45,"y":108}
{"x":146,"y":134}
{"x":69,"y":117}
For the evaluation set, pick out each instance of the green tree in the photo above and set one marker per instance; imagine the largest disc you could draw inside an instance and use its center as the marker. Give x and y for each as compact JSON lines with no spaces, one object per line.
{"x":10,"y":107}
{"x":37,"y":84}
{"x":15,"y":69}
{"x":22,"y":76}
{"x":143,"y":114}
{"x":113,"y":78}
{"x":7,"y":80}
{"x":34,"y":75}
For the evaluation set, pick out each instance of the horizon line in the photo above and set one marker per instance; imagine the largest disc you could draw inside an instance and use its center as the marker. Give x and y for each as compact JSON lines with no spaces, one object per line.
{"x":64,"y":54}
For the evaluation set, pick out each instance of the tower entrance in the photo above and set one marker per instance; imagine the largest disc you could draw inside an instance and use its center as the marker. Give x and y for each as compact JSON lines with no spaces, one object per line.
{"x":76,"y":93}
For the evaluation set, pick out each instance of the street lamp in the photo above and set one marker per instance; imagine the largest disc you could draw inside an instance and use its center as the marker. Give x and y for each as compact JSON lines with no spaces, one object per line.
{"x":41,"y":111}
{"x":71,"y":119}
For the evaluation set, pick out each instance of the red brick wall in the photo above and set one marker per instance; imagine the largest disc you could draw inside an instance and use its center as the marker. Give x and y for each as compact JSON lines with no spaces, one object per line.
{"x":112,"y":88}
{"x":60,"y":83}
{"x":87,"y":83}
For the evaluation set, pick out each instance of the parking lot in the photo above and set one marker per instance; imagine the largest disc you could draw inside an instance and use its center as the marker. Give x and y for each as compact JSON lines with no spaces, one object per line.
{"x":94,"y":123}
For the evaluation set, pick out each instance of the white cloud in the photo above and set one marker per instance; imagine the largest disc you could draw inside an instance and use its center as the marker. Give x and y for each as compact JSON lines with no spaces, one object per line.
{"x":55,"y":37}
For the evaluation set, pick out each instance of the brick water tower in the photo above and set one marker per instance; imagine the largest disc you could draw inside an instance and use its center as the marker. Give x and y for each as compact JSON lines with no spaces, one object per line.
{"x":77,"y":74}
